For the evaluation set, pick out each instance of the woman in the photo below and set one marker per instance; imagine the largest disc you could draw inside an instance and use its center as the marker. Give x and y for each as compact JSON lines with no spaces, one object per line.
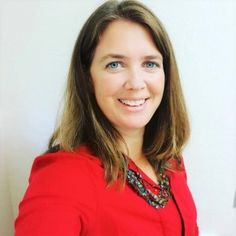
{"x":114,"y":165}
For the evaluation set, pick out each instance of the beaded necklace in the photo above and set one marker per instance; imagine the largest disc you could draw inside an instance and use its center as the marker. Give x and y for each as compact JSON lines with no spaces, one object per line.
{"x":156,"y":195}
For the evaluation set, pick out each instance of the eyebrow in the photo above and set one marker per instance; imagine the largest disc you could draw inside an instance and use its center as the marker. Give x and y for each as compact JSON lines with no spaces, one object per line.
{"x":112,"y":55}
{"x":120,"y":56}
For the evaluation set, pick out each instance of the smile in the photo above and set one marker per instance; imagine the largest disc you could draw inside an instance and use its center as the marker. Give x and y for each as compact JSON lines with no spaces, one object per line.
{"x":132,"y":103}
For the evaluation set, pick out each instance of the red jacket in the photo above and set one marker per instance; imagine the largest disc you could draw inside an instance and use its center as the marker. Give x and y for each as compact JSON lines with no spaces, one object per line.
{"x":67,"y":196}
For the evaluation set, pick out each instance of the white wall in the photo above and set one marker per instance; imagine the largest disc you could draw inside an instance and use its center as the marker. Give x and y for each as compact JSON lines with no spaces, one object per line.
{"x":36,"y":41}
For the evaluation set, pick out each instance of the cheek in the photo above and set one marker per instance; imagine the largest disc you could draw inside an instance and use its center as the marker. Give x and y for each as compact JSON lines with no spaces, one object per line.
{"x":107,"y":87}
{"x":157,"y":85}
{"x":162,"y":83}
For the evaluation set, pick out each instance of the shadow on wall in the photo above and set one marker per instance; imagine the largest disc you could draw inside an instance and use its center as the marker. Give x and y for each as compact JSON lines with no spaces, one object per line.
{"x":6,"y":213}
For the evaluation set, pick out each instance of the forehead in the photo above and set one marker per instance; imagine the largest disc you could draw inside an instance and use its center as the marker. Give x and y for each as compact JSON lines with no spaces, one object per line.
{"x":127,"y":37}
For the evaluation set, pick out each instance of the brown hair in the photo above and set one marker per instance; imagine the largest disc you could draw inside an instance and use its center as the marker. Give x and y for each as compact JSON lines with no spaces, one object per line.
{"x":82,"y":120}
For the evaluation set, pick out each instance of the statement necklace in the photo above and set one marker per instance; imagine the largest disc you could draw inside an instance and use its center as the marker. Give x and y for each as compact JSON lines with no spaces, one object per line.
{"x":156,"y":195}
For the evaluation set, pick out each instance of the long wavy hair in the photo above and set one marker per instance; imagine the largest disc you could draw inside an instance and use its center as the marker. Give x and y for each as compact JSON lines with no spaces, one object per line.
{"x":82,"y":121}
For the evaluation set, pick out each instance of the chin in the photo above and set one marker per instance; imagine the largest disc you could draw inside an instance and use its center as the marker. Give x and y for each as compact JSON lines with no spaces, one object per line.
{"x":133,"y":126}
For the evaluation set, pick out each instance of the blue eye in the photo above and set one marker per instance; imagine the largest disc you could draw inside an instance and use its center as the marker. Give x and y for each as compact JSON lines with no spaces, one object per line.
{"x":150,"y":64}
{"x":113,"y":65}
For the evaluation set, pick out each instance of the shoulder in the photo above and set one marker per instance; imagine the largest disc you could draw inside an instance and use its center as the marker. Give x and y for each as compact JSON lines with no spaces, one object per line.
{"x":62,"y":161}
{"x":60,"y":197}
{"x":65,"y":173}
{"x":183,"y":196}
{"x":176,"y":172}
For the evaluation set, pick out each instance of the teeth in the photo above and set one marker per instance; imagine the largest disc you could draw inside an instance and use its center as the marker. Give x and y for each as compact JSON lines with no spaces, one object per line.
{"x":133,"y":102}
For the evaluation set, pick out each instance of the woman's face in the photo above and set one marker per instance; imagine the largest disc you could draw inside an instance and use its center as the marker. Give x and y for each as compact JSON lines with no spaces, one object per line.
{"x":128,"y":75}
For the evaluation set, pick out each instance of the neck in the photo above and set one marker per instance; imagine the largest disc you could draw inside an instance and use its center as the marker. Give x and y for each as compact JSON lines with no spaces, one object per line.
{"x":133,"y":144}
{"x":133,"y":148}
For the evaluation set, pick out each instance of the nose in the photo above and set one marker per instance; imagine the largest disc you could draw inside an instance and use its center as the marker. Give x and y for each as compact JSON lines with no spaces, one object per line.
{"x":135,"y":80}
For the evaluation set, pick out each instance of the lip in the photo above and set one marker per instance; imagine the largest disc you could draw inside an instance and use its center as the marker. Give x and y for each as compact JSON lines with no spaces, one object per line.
{"x":134,"y":99}
{"x":133,"y":107}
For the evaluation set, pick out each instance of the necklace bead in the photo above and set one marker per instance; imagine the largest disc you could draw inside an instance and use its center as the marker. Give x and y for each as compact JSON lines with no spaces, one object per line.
{"x":157,"y":198}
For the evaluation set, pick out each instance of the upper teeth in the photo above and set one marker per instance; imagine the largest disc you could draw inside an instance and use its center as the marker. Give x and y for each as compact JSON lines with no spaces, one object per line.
{"x":133,"y":102}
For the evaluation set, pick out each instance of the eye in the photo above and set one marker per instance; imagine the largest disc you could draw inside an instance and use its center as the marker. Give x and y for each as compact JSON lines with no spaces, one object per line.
{"x":151,"y":65}
{"x":113,"y":65}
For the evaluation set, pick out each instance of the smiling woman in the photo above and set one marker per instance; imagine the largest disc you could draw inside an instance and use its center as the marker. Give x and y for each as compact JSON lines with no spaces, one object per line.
{"x":114,"y":164}
{"x":128,"y":77}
